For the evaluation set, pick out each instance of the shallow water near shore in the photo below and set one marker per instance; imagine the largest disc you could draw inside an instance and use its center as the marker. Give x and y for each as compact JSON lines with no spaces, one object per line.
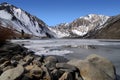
{"x":76,"y":48}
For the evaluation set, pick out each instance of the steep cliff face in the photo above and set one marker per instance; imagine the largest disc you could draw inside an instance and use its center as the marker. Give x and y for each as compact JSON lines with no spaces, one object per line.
{"x":21,"y":20}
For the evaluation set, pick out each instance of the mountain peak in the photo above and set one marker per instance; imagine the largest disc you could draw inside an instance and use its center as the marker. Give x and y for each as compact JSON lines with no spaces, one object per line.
{"x":81,"y":26}
{"x":5,"y":4}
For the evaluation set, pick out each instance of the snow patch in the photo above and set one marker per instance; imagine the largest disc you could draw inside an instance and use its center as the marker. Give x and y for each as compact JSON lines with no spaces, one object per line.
{"x":5,"y":15}
{"x":59,"y":34}
{"x":79,"y":32}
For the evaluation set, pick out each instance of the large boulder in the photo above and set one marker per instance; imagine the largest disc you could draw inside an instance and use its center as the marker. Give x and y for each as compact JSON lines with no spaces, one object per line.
{"x":12,"y":74}
{"x":95,"y":67}
{"x":103,"y":64}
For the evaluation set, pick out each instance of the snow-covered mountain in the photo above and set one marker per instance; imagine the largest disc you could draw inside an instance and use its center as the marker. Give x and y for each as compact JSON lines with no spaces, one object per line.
{"x":90,"y":26}
{"x":81,"y":26}
{"x":110,"y":30}
{"x":21,"y":20}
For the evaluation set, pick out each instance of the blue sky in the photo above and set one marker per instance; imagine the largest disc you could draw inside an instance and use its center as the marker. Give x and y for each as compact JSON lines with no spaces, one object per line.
{"x":53,"y":12}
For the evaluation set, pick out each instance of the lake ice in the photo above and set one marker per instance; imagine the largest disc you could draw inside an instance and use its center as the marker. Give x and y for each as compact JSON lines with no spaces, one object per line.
{"x":76,"y":48}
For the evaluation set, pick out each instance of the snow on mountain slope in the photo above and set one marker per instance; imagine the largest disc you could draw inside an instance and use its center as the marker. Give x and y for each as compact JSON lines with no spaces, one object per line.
{"x":80,"y":26}
{"x":110,"y":30}
{"x":21,"y":20}
{"x":59,"y":34}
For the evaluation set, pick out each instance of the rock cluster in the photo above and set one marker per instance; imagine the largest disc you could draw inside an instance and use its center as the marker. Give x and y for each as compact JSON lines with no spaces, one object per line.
{"x":18,"y":63}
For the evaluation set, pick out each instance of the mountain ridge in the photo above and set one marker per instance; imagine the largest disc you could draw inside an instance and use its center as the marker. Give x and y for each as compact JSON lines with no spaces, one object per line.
{"x":89,"y":26}
{"x":80,"y":26}
{"x":21,"y":20}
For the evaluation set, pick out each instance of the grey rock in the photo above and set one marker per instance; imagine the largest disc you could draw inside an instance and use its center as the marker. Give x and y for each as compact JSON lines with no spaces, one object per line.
{"x":6,"y":63}
{"x":56,"y":74}
{"x":50,"y":62}
{"x":17,"y":57}
{"x":26,"y":78}
{"x":50,"y":65}
{"x":37,"y":62}
{"x":12,"y":74}
{"x":2,"y":60}
{"x":7,"y":68}
{"x":66,"y":67}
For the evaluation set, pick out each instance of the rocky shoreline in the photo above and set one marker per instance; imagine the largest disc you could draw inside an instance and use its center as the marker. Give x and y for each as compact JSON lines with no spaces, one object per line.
{"x":19,"y":63}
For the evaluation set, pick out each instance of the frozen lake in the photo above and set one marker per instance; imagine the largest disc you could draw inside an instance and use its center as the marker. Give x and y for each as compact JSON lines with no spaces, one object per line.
{"x":76,"y":48}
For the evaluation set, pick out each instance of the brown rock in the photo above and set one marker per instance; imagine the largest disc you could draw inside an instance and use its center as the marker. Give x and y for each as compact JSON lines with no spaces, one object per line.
{"x":95,"y":67}
{"x":29,"y":67}
{"x":47,"y":75}
{"x":66,"y":76}
{"x":36,"y":71}
{"x":6,"y":63}
{"x":28,"y":59}
{"x":103,"y":64}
